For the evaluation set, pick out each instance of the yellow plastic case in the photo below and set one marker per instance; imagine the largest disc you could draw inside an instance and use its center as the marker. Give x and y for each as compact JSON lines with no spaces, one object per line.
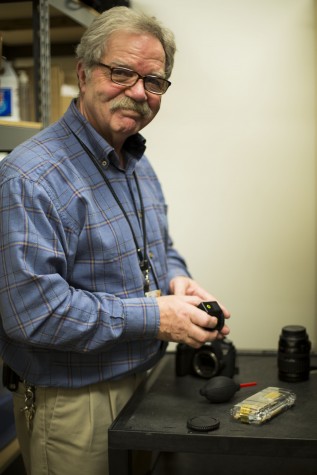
{"x":263,"y":405}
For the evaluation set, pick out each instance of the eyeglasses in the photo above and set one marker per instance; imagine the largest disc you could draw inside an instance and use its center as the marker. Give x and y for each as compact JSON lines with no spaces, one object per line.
{"x":128,"y":78}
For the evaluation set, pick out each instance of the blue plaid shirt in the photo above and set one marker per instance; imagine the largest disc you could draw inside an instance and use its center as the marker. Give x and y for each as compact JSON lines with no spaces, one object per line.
{"x":72,"y":304}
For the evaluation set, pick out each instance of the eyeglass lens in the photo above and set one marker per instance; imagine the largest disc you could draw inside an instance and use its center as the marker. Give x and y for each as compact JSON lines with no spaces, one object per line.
{"x":127,"y":77}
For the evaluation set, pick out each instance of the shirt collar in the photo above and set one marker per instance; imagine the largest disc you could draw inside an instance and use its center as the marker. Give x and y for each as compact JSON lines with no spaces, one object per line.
{"x":134,"y":146}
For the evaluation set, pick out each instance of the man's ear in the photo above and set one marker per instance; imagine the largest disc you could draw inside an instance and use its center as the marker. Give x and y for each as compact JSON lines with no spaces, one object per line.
{"x":81,"y":74}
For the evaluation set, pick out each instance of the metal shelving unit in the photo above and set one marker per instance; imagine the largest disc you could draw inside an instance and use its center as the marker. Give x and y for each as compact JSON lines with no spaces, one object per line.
{"x":14,"y":133}
{"x":41,"y":53}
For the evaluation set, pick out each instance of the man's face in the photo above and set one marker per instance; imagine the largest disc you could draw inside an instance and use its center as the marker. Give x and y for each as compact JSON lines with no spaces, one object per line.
{"x":100,"y":98}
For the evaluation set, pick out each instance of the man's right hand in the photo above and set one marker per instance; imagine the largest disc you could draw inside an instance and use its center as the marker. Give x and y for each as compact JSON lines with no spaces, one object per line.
{"x":182,"y":322}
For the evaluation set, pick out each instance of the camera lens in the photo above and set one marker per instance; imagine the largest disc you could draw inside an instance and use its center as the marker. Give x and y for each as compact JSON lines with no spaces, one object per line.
{"x":205,"y":363}
{"x":294,"y":354}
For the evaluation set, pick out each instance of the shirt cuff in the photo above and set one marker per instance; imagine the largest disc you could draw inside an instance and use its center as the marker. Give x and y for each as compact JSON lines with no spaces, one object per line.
{"x":178,"y":272}
{"x":142,"y":317}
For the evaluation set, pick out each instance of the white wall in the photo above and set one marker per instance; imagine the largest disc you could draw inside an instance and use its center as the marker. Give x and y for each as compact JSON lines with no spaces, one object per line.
{"x":235,"y":147}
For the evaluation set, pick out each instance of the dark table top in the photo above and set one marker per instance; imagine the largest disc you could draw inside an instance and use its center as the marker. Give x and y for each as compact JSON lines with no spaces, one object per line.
{"x":156,"y":417}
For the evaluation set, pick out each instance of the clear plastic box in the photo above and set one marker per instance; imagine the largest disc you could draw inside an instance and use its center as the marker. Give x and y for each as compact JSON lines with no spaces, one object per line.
{"x":263,"y":405}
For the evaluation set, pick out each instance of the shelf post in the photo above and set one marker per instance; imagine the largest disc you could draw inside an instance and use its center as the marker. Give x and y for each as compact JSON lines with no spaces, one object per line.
{"x":42,"y":63}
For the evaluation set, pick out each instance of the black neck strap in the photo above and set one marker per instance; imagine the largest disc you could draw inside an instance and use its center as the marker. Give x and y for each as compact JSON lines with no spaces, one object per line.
{"x":142,"y":256}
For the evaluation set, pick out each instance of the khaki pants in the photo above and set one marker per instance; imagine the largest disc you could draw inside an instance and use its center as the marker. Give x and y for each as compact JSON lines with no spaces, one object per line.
{"x":70,"y":427}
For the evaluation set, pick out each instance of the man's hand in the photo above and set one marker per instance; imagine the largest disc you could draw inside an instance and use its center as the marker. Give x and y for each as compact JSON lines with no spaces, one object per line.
{"x":186,"y":286}
{"x":182,"y":322}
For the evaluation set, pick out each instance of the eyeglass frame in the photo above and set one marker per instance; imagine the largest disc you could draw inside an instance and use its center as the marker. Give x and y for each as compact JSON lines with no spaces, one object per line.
{"x":138,"y":77}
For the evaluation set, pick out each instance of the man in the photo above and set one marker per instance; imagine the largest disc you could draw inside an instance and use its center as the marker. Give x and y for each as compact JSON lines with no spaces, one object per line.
{"x":92,"y":288}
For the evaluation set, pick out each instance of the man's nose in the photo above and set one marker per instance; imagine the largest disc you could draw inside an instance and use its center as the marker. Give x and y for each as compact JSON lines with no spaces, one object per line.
{"x":137,"y":91}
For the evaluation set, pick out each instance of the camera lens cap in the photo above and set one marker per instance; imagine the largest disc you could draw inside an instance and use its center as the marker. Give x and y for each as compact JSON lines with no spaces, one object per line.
{"x":203,"y":423}
{"x":294,"y":331}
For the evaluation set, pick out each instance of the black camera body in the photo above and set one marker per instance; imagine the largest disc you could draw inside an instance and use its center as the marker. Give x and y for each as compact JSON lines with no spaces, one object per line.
{"x":211,"y":359}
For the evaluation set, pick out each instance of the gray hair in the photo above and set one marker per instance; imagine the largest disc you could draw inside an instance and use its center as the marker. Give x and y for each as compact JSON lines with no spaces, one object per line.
{"x":93,"y":44}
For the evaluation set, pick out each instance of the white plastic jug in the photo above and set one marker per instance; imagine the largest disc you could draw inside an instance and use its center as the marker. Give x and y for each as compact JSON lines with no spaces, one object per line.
{"x":9,"y":93}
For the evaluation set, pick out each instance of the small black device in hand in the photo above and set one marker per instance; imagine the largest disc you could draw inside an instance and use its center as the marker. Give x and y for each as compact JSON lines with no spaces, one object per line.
{"x":213,"y":309}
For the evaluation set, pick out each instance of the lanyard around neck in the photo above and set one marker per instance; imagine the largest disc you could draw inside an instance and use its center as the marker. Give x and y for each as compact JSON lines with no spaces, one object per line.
{"x":142,"y":256}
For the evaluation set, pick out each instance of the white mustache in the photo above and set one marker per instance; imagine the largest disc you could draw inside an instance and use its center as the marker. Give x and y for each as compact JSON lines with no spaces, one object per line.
{"x":129,"y":104}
